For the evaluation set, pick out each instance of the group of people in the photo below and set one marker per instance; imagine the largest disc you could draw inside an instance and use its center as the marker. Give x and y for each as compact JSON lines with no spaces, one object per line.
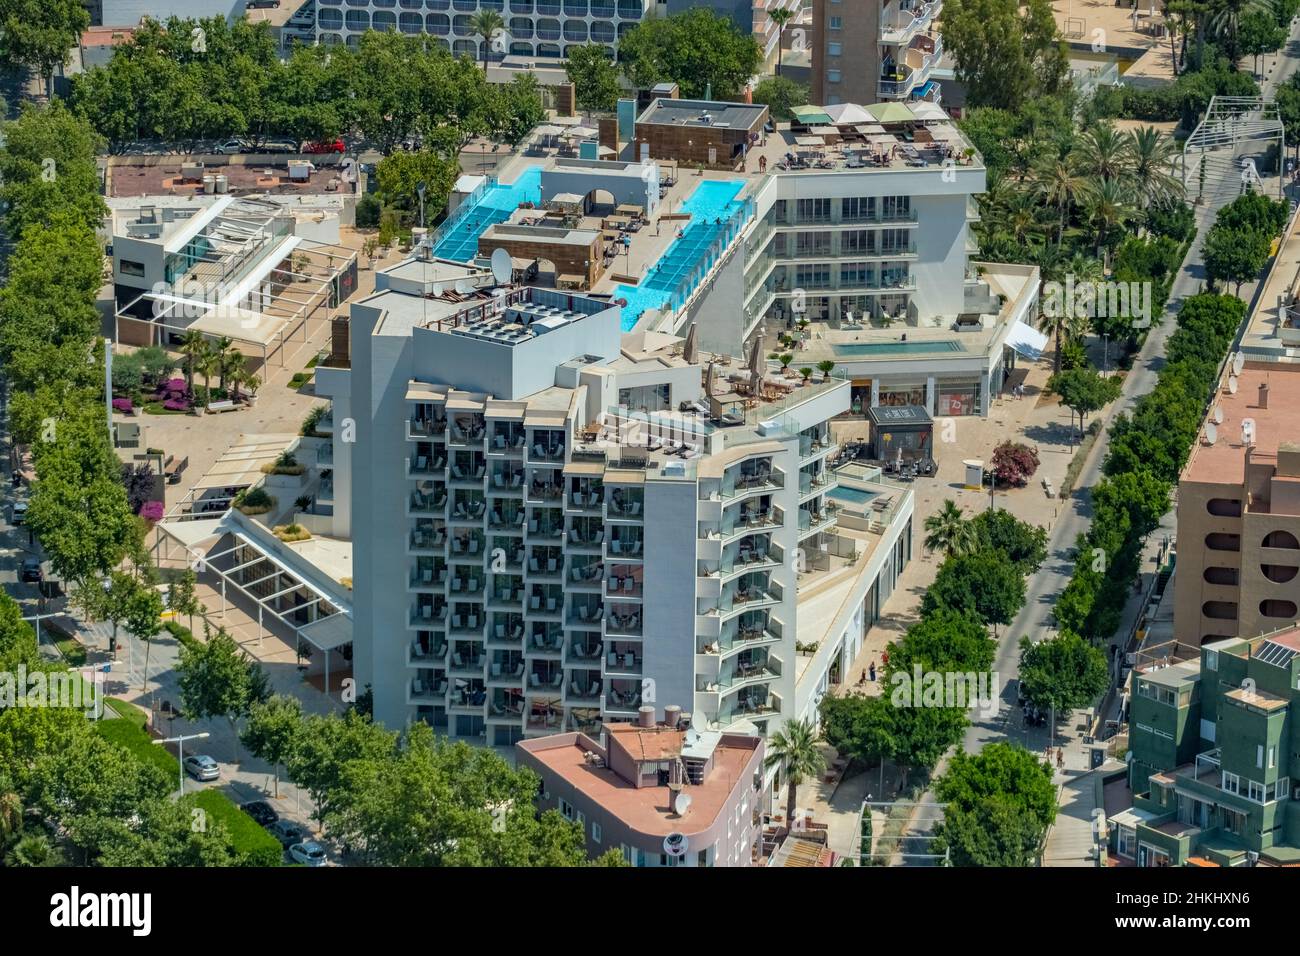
{"x":870,"y":673}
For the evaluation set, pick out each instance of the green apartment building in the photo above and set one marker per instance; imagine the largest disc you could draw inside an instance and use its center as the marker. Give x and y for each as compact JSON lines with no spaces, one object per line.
{"x":1214,"y":758}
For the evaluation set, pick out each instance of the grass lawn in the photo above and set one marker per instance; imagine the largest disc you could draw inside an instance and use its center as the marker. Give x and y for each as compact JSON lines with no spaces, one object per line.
{"x":252,"y":844}
{"x":156,"y":408}
{"x":73,"y":651}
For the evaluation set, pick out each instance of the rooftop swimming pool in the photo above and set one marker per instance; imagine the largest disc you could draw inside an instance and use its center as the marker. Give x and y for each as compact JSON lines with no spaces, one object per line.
{"x":852,"y":495}
{"x":495,"y":205}
{"x":716,"y":217}
{"x":897,"y":348}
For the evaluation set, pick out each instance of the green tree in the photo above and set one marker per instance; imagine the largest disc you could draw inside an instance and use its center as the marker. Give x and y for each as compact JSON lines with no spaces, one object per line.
{"x":1063,"y":673}
{"x":399,"y":177}
{"x":1006,"y":53}
{"x":181,"y":596}
{"x":1023,"y":544}
{"x":946,"y":530}
{"x":1083,"y":391}
{"x":40,"y":33}
{"x":218,"y":679}
{"x":704,"y":53}
{"x":780,"y":16}
{"x":982,"y":583}
{"x":273,"y":730}
{"x":947,"y":641}
{"x":1235,"y":255}
{"x":999,"y":804}
{"x":593,"y":75}
{"x":794,"y":749}
{"x":780,"y":95}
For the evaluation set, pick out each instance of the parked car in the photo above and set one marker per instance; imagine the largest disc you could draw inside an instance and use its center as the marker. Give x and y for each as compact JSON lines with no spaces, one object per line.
{"x":31,"y":572}
{"x":19,"y":512}
{"x":262,"y":812}
{"x":288,"y":832}
{"x":230,"y":147}
{"x":275,"y":146}
{"x":202,"y":767}
{"x":310,"y":853}
{"x":326,"y":146}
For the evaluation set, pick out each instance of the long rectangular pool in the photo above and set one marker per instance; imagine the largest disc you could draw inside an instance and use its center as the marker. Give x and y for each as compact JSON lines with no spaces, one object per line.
{"x":897,"y":348}
{"x":713,"y":207}
{"x":498,"y":201}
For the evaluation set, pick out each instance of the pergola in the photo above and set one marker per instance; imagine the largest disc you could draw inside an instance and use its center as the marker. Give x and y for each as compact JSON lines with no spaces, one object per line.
{"x":1232,"y":121}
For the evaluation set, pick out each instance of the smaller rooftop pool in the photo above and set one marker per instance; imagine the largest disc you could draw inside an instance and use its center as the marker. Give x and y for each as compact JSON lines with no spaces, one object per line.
{"x":897,"y":348}
{"x":498,"y":201}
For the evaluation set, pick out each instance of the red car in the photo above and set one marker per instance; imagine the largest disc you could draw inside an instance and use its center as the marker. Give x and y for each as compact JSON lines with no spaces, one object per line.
{"x":333,"y":146}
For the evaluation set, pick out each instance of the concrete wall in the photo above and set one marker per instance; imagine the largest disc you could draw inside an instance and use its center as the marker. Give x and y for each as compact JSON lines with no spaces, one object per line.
{"x":669,"y":624}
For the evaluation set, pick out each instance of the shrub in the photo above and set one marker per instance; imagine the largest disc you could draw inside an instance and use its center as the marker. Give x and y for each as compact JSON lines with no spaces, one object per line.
{"x":152,"y":511}
{"x":369,"y":209}
{"x":251,"y":844}
{"x":1014,"y":464}
{"x":127,"y":733}
{"x":311,"y":420}
{"x":254,"y":501}
{"x":291,"y":532}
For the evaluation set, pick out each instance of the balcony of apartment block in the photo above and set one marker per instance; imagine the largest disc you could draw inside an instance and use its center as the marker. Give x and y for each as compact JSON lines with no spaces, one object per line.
{"x":584,"y":611}
{"x":467,"y":546}
{"x":466,"y":429}
{"x":623,"y":696}
{"x":857,"y":282}
{"x":507,"y":517}
{"x":749,"y":478}
{"x":754,"y":552}
{"x":545,"y":639}
{"x":427,"y":612}
{"x":467,"y":469}
{"x":506,"y":668}
{"x":429,"y":461}
{"x":545,"y":564}
{"x":545,"y":524}
{"x":750,"y":668}
{"x":625,"y":505}
{"x":428,"y":574}
{"x":546,"y":602}
{"x":546,"y":446}
{"x":507,"y":593}
{"x":426,"y":423}
{"x":465,"y":619}
{"x":506,"y":553}
{"x":544,"y":714}
{"x":900,"y":20}
{"x":427,"y":649}
{"x":750,"y":703}
{"x":751,"y":629}
{"x":544,"y":677}
{"x":585,"y":496}
{"x":745,"y":518}
{"x":624,"y":582}
{"x":623,"y":659}
{"x":507,"y":441}
{"x":506,"y":630}
{"x":624,"y":620}
{"x":815,"y":480}
{"x":467,"y":694}
{"x":817,"y":516}
{"x":467,"y":506}
{"x":626,"y":544}
{"x":506,"y":704}
{"x":546,"y":487}
{"x":815,"y":444}
{"x":506,"y":480}
{"x":427,"y":538}
{"x":583,"y":687}
{"x":583,"y":720}
{"x":586,"y":573}
{"x":750,"y":592}
{"x":428,"y":501}
{"x":838,"y":219}
{"x":426,"y":688}
{"x":585,"y":534}
{"x":466,"y":659}
{"x":583,"y":649}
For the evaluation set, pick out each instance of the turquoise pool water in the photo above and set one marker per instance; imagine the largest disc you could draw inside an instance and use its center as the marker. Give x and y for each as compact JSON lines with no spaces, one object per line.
{"x":854,"y":495}
{"x":669,"y":280}
{"x":898,"y":348}
{"x":495,"y":205}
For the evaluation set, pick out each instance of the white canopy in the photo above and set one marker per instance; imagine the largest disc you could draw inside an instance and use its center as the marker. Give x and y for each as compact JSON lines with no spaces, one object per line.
{"x":847,"y":114}
{"x":1027,"y":340}
{"x":925,"y":110}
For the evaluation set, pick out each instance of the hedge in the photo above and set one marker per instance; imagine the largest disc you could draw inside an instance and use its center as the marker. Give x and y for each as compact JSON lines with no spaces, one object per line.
{"x":251,"y":844}
{"x":129,"y":734}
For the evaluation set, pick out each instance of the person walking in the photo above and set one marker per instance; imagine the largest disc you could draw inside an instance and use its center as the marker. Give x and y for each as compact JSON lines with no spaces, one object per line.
{"x":872,"y":672}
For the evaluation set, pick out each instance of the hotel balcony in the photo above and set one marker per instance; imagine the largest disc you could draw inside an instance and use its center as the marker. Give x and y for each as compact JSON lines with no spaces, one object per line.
{"x":750,"y":479}
{"x":544,"y":677}
{"x":546,"y":602}
{"x":624,"y":582}
{"x":547,"y":526}
{"x":425,"y":651}
{"x":507,"y":595}
{"x":747,"y":705}
{"x":505,"y":705}
{"x":910,"y":75}
{"x":465,"y":660}
{"x":814,"y":447}
{"x":466,"y":507}
{"x":583,"y":720}
{"x":427,"y":461}
{"x":545,"y":563}
{"x":467,"y":469}
{"x":754,"y":667}
{"x":816,"y":483}
{"x":472,"y":696}
{"x":738,"y":522}
{"x":584,"y":650}
{"x":426,"y":538}
{"x":466,"y":620}
{"x":898,"y":26}
{"x":585,"y":612}
{"x":623,"y":544}
{"x":585,"y":497}
{"x":546,"y":642}
{"x":433,"y":502}
{"x":467,"y":544}
{"x":507,"y":516}
{"x":813,"y":519}
{"x":427,"y":575}
{"x":625,"y":620}
{"x":623,"y":659}
{"x":586,"y":574}
{"x":507,"y":480}
{"x":545,"y":492}
{"x":426,"y":614}
{"x":507,"y":440}
{"x":624,"y":697}
{"x":426,"y":426}
{"x":583,"y":687}
{"x":625,"y":505}
{"x":586,"y":535}
{"x":425,"y":690}
{"x":547,"y":447}
{"x":466,"y":430}
{"x":506,"y":630}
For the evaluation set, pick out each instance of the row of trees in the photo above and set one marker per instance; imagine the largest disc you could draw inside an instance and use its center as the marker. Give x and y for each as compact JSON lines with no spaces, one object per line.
{"x":1240,"y":242}
{"x":190,"y":80}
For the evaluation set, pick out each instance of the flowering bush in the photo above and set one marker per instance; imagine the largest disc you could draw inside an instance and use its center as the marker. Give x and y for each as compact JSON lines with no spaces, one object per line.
{"x":1014,"y":464}
{"x":152,"y":511}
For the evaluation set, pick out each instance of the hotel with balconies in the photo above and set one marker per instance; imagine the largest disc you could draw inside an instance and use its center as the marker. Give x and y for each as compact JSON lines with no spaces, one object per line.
{"x":545,"y":540}
{"x":866,"y":51}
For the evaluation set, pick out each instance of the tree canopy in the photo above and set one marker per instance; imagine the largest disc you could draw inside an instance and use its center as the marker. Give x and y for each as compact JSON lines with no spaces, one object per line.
{"x":703,"y":53}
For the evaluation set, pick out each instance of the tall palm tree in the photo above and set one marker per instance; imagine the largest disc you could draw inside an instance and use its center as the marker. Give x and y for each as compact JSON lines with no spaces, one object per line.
{"x":486,"y":24}
{"x":193,"y":346}
{"x":947,"y":530}
{"x":207,"y":365}
{"x":1061,"y":185}
{"x":1104,"y":153}
{"x":1225,"y":21}
{"x":233,"y":363}
{"x":1023,"y":219}
{"x":794,"y":747}
{"x":780,"y":17}
{"x":1106,"y":208}
{"x":1153,"y":157}
{"x":221,"y":348}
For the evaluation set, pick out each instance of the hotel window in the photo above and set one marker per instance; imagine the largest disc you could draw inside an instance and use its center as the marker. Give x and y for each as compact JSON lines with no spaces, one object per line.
{"x":582,"y":820}
{"x":896,"y":207}
{"x":566,"y":809}
{"x":833,"y":49}
{"x":835,"y":23}
{"x":832,"y":76}
{"x":813,"y":210}
{"x":1255,"y":791}
{"x":129,"y":268}
{"x":857,"y":208}
{"x":1272,"y":757}
{"x":595,"y":832}
{"x":1212,"y":660}
{"x":854,"y":273}
{"x":1282,"y":789}
{"x":1231,"y":782}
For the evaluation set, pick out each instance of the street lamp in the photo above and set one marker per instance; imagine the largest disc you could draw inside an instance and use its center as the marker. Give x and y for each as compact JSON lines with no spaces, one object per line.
{"x":180,"y":751}
{"x":420,"y":188}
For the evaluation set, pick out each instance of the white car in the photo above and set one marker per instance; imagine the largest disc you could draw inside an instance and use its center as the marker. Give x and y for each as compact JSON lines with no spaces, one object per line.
{"x":19,"y":512}
{"x":202,"y":767}
{"x":230,"y":147}
{"x":310,"y":853}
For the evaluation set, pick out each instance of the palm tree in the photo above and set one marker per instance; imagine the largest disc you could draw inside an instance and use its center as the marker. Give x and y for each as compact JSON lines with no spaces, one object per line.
{"x":31,"y":850}
{"x":1104,"y":153}
{"x":1060,"y":185}
{"x":233,"y":364}
{"x":11,"y":814}
{"x":946,"y":530}
{"x":193,"y":346}
{"x":207,"y":365}
{"x":220,"y":348}
{"x":1106,"y":209}
{"x":1153,"y":157}
{"x":780,"y":17}
{"x":486,"y":24}
{"x":1225,"y":21}
{"x":794,"y":747}
{"x":1024,"y":219}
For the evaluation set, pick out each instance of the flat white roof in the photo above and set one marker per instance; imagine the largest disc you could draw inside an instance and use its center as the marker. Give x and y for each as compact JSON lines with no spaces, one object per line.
{"x":196,"y":224}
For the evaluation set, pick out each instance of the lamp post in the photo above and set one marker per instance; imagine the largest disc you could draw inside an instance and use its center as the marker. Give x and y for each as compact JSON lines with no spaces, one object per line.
{"x":180,"y":752}
{"x":420,"y":188}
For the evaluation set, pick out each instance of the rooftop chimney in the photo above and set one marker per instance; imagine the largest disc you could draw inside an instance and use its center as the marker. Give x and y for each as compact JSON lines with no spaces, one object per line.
{"x":645,"y":716}
{"x":1263,"y":394}
{"x":672,"y":716}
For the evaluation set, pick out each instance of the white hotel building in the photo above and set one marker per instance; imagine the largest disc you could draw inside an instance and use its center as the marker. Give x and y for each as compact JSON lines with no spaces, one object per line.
{"x":530,"y":557}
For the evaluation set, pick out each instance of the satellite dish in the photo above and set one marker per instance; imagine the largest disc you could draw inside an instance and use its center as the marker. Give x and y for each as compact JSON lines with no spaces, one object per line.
{"x":1232,"y":385}
{"x":464,"y":286}
{"x":437,"y":289}
{"x":1218,"y":414}
{"x":1211,"y":433}
{"x":675,"y":844}
{"x":502,"y":271}
{"x":682,"y":803}
{"x":1238,"y":362}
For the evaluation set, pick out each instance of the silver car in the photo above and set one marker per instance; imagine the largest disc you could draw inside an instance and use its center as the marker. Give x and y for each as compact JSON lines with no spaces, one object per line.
{"x":310,"y":853}
{"x":202,"y":767}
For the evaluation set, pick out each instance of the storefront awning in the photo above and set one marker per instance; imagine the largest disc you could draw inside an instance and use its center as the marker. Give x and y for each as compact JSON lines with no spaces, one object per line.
{"x":1027,"y":340}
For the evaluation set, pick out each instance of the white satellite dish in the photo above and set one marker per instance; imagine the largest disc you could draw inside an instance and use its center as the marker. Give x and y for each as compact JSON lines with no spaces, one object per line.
{"x":1238,"y":362}
{"x":464,"y":286}
{"x":1218,"y":414}
{"x":1232,"y":385}
{"x":1211,"y":433}
{"x":682,"y":803}
{"x":437,"y":289}
{"x":502,"y":271}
